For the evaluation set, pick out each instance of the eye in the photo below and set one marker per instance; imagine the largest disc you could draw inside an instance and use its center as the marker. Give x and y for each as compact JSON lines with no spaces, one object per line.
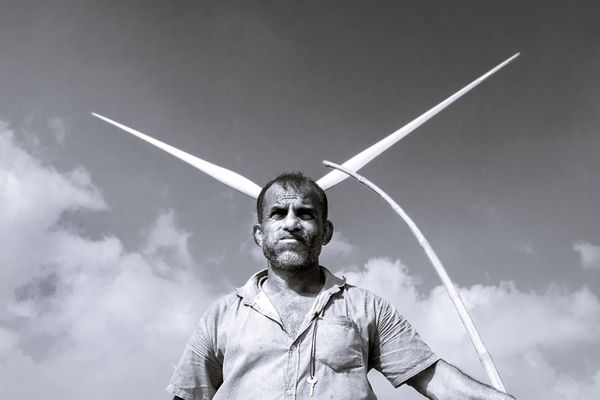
{"x":277,"y":213}
{"x":306,"y":214}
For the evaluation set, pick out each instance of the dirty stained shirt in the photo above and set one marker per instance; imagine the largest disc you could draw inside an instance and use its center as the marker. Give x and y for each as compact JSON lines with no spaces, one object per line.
{"x":239,"y":349}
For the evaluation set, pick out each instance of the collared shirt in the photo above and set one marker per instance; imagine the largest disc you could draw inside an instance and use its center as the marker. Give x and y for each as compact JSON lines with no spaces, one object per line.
{"x":239,"y":349}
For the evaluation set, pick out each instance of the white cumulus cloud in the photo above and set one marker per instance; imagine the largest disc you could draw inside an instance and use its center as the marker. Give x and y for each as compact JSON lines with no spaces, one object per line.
{"x":34,"y":196}
{"x":339,"y":246}
{"x":589,"y":255}
{"x":532,"y":336}
{"x":79,"y":315}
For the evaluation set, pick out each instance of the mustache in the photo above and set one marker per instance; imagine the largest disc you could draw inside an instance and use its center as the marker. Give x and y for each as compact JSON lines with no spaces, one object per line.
{"x":299,"y":238}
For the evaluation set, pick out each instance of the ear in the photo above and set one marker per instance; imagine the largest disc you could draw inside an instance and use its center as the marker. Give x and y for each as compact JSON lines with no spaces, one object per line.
{"x":327,"y":232}
{"x":257,"y":235}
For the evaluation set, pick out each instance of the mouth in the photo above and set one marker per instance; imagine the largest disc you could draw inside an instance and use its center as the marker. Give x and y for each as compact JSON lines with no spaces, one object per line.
{"x":290,"y":239}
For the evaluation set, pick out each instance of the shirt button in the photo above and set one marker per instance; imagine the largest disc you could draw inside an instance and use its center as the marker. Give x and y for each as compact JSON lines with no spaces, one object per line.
{"x":289,"y":391}
{"x":293,"y":348}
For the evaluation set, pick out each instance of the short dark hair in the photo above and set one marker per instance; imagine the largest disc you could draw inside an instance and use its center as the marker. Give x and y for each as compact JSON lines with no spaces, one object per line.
{"x":295,"y":180}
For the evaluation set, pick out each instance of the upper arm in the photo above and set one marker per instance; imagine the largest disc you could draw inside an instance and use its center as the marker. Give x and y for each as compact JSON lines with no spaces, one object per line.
{"x":397,"y":351}
{"x":444,"y":381}
{"x":199,"y":371}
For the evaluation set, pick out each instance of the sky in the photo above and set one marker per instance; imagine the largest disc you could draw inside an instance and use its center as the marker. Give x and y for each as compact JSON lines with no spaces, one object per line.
{"x":112,"y":250}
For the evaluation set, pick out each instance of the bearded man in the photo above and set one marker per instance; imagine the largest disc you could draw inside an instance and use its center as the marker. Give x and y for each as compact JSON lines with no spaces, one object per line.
{"x":296,"y":331}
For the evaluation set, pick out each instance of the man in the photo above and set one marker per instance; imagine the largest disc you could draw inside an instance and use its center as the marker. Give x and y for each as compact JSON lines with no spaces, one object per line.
{"x":296,"y":331}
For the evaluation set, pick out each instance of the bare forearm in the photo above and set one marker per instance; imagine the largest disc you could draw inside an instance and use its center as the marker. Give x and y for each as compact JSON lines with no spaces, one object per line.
{"x":443,"y":381}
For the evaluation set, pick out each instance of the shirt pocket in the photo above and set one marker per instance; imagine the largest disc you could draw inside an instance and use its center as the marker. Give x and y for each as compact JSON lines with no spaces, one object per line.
{"x":338,"y":343}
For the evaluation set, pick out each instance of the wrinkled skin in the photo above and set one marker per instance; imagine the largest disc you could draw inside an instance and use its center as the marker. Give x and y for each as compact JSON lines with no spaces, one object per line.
{"x":293,"y":230}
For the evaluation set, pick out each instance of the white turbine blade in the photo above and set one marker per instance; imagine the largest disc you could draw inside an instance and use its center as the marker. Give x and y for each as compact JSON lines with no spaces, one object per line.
{"x":230,"y":178}
{"x":361,"y":159}
{"x":484,"y":355}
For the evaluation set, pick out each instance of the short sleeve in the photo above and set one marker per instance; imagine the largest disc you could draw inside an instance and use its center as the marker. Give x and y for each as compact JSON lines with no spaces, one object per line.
{"x":397,"y":351}
{"x":198,"y":374}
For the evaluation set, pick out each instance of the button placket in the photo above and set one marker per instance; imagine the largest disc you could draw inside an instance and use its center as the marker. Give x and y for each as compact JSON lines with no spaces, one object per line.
{"x":293,"y":368}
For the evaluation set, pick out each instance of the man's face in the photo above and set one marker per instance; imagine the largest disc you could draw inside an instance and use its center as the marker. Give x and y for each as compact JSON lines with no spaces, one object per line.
{"x":292,"y":230}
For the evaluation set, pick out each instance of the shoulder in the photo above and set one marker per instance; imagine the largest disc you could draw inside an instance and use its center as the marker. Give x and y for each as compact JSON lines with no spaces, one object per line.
{"x":211,"y":326}
{"x":361,"y":304}
{"x":365,"y":297}
{"x":351,"y":293}
{"x":365,"y":305}
{"x":231,"y":304}
{"x":222,"y":307}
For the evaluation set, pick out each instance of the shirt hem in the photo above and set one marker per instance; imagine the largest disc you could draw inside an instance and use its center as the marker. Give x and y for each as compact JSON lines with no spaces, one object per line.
{"x":179,"y":392}
{"x":402,"y":380}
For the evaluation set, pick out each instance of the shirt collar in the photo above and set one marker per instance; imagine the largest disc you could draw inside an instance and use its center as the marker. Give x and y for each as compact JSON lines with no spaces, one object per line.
{"x":250,"y":289}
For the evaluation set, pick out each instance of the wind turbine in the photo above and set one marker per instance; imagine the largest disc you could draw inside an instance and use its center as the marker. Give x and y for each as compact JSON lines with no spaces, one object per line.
{"x":349,"y":168}
{"x":249,"y":188}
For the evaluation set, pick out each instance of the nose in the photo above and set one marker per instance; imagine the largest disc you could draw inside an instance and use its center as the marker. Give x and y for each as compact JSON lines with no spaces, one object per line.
{"x":291,"y":221}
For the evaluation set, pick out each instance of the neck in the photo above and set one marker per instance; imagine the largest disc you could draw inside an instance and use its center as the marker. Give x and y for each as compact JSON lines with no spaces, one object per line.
{"x":307,"y":281}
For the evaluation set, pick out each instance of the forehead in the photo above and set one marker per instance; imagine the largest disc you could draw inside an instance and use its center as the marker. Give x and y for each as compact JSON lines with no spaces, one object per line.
{"x":277,"y":195}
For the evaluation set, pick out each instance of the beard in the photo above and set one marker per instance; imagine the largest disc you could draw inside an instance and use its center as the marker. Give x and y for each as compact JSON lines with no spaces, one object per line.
{"x":291,"y":256}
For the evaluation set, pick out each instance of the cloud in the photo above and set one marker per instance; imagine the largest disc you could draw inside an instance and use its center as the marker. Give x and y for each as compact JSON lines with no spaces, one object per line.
{"x":166,"y":246}
{"x":530,"y":335}
{"x":81,"y":314}
{"x":339,"y":246}
{"x":34,"y":196}
{"x":589,"y":255}
{"x":572,"y":389}
{"x":249,"y":248}
{"x":59,"y":129}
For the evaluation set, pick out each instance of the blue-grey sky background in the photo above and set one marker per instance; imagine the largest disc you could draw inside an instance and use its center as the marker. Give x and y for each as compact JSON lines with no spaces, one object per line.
{"x":107,"y":238}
